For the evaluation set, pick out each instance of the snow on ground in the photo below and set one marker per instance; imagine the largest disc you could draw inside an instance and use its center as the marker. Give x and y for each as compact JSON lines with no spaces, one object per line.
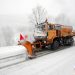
{"x":12,"y":55}
{"x":58,"y":63}
{"x":11,"y":51}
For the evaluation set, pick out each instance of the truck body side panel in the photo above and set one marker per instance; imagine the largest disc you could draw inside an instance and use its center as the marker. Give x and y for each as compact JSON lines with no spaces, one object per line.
{"x":51,"y":35}
{"x":66,"y":31}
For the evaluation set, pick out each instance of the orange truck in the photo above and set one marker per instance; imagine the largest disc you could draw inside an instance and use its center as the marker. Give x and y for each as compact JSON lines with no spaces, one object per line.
{"x":51,"y":36}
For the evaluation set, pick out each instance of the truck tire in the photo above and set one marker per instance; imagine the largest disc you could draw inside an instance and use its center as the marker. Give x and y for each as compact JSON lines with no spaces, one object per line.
{"x":55,"y":45}
{"x":68,"y":41}
{"x":71,"y":41}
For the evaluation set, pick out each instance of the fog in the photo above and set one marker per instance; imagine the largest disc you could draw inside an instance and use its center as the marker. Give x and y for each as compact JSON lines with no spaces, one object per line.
{"x":14,"y":17}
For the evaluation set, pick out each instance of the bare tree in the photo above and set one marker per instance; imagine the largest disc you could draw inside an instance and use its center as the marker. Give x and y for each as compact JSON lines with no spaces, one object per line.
{"x":38,"y":15}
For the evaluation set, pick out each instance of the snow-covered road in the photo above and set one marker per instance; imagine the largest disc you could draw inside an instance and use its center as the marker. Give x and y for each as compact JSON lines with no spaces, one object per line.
{"x":58,"y":63}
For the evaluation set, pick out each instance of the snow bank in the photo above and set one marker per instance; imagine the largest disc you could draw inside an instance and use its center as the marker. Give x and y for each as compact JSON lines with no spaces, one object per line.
{"x":58,"y":63}
{"x":11,"y":55}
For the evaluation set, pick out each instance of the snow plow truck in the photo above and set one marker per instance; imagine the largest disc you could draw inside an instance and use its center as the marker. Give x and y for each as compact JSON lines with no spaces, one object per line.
{"x":51,"y":36}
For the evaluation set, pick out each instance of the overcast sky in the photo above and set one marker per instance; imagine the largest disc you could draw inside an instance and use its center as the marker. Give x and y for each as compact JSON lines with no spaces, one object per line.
{"x":54,"y":7}
{"x":24,"y":7}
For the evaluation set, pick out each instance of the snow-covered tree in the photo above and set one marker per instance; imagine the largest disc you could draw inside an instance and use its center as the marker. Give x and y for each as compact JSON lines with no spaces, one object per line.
{"x":7,"y":34}
{"x":38,"y":15}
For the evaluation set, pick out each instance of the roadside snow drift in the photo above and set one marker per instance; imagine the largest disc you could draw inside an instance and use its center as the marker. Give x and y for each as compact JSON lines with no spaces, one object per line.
{"x":11,"y":55}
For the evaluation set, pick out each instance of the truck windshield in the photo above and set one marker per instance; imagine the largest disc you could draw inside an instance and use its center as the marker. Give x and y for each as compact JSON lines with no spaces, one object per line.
{"x":41,"y":27}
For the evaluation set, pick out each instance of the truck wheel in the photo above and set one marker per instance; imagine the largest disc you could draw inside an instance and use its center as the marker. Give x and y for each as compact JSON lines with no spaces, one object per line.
{"x":71,"y":41}
{"x":55,"y":45}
